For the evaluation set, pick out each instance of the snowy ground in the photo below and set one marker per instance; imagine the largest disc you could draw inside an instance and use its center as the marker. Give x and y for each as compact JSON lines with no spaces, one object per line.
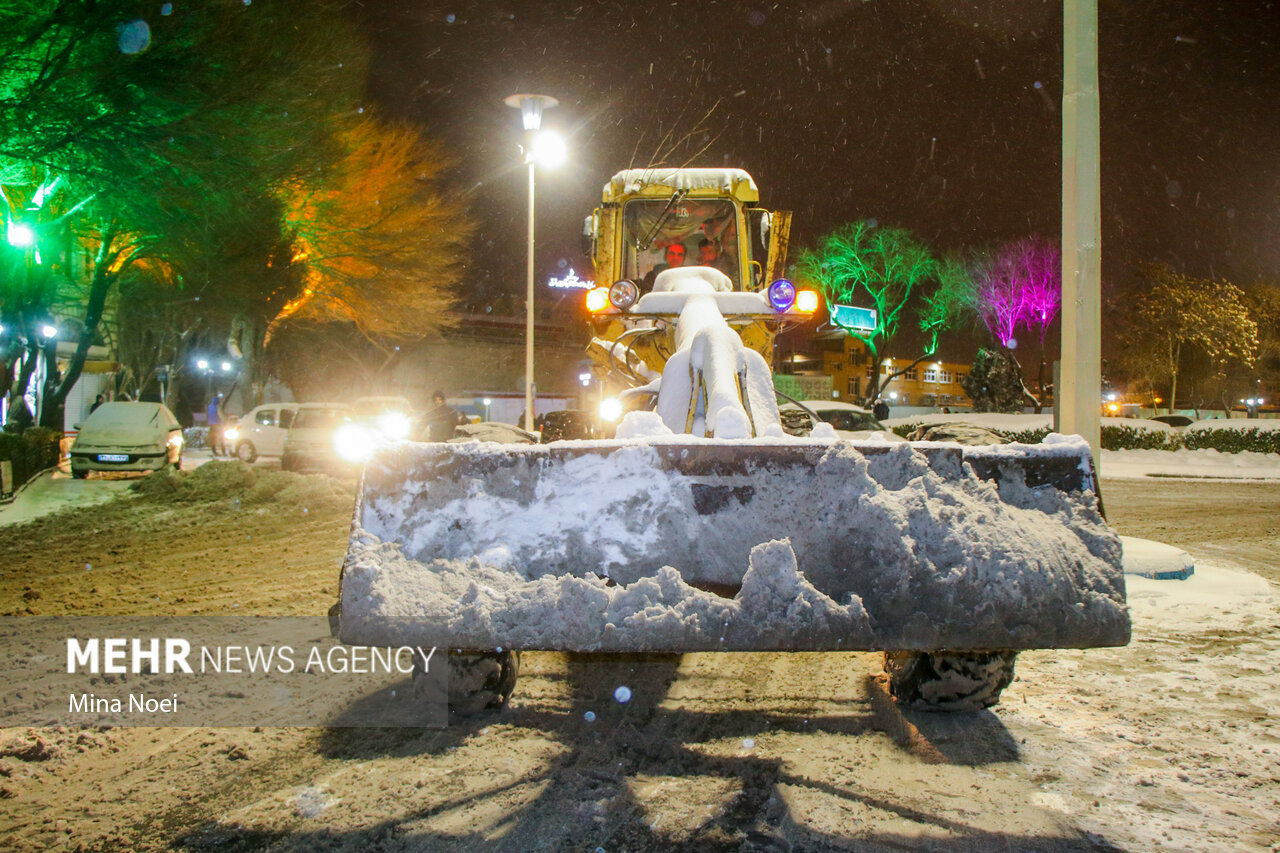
{"x":1170,"y":743}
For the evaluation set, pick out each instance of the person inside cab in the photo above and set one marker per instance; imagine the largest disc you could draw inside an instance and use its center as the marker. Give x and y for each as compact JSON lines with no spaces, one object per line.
{"x":675,"y":255}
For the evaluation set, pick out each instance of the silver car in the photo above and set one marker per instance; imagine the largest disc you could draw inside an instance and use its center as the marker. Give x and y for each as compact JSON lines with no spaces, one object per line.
{"x":126,"y":437}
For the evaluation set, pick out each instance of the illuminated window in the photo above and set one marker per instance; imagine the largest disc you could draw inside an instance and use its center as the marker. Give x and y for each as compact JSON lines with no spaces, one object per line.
{"x":944,"y":375}
{"x":911,"y":375}
{"x":930,"y":374}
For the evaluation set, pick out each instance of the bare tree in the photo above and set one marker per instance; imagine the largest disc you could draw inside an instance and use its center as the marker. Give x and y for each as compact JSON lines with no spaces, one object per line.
{"x":1175,"y":314}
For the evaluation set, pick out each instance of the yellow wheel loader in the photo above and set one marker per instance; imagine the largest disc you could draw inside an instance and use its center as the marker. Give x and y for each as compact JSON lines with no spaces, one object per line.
{"x":703,"y":526}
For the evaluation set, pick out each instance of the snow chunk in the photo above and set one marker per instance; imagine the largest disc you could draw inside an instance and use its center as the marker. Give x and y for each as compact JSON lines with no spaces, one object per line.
{"x":642,"y":425}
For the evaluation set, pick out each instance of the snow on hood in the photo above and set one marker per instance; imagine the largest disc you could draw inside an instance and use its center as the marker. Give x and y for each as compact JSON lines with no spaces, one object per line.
{"x":721,"y":180}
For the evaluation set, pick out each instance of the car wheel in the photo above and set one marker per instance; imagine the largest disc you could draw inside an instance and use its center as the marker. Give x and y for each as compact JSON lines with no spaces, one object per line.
{"x":79,"y":474}
{"x":246,"y":452}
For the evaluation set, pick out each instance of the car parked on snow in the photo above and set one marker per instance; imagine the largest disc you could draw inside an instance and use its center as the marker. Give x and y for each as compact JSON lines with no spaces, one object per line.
{"x":122,"y":436}
{"x":261,"y":432}
{"x":849,"y":421}
{"x":565,"y":425}
{"x":312,"y":441}
{"x":1178,"y":421}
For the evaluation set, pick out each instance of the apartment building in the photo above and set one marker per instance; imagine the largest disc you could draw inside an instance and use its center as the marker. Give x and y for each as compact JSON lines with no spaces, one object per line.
{"x":846,"y":360}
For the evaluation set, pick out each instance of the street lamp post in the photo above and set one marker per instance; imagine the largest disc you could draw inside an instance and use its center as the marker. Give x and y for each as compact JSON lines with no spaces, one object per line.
{"x":540,"y":148}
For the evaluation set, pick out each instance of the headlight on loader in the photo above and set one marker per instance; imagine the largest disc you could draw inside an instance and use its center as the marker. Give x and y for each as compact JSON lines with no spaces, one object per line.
{"x":623,"y":294}
{"x":782,"y":295}
{"x":610,"y":409}
{"x":353,"y":442}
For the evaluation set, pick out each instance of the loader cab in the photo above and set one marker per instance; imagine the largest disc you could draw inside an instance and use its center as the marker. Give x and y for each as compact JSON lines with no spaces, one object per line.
{"x":697,"y":232}
{"x":709,"y":217}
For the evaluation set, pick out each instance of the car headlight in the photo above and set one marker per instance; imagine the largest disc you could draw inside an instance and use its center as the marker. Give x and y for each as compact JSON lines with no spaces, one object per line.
{"x":394,"y":425}
{"x":231,"y":433}
{"x":353,"y":442}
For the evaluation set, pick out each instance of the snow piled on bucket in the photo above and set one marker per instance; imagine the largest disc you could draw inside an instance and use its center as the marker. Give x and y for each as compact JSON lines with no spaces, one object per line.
{"x":390,"y":600}
{"x":820,"y":544}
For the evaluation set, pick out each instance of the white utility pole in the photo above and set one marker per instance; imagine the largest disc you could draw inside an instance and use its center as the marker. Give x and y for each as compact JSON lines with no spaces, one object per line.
{"x":1080,"y":390}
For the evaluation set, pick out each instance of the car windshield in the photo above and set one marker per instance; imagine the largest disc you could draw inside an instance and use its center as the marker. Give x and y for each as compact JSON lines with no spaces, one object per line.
{"x":319,"y":418}
{"x":124,"y":414}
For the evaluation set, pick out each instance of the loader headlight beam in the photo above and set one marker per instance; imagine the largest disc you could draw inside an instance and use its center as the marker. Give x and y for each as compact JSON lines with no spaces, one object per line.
{"x":610,"y":409}
{"x":597,"y":300}
{"x":353,"y":442}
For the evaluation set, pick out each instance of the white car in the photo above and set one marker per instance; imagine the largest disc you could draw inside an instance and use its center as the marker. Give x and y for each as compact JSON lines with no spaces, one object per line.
{"x":126,"y":437}
{"x":261,"y":432}
{"x":849,"y":421}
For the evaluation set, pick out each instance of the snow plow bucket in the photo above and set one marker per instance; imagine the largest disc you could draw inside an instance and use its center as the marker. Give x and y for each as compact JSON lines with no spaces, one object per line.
{"x":679,"y":544}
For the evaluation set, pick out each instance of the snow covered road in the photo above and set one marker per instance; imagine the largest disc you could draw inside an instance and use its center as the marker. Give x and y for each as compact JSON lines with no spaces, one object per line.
{"x":1171,"y":743}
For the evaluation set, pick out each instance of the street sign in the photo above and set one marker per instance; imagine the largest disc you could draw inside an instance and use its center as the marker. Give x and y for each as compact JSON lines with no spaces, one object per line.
{"x":862,"y":319}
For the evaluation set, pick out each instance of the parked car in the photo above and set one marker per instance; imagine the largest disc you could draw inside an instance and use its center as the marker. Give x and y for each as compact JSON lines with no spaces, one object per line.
{"x":1178,"y":421}
{"x":848,"y":420}
{"x":393,"y":417}
{"x":261,"y":432}
{"x":565,"y":424}
{"x":311,"y":441}
{"x":126,"y":437}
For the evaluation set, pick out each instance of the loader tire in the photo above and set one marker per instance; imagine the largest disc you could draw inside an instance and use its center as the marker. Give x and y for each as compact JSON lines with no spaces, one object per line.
{"x":949,"y":681}
{"x":478,"y":681}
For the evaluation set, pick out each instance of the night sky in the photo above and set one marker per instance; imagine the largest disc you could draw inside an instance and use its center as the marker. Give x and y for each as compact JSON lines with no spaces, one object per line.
{"x":943,"y":116}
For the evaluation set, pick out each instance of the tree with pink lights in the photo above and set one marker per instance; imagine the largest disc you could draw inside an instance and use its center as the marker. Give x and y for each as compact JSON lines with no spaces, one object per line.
{"x":1020,"y":286}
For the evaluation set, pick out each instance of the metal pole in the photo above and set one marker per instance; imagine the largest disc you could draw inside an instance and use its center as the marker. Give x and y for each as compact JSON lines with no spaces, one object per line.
{"x":1081,"y":385}
{"x":528,"y":322}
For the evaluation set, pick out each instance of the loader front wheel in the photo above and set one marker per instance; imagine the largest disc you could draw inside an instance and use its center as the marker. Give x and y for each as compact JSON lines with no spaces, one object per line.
{"x":949,"y":681}
{"x":478,"y":681}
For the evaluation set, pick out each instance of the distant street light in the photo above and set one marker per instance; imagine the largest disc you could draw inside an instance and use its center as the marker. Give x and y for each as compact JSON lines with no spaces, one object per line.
{"x":547,"y":149}
{"x":202,"y":364}
{"x":49,"y":331}
{"x":21,"y":235}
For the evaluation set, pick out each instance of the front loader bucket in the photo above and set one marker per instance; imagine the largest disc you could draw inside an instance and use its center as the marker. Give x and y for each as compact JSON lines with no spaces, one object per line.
{"x":681,"y":544}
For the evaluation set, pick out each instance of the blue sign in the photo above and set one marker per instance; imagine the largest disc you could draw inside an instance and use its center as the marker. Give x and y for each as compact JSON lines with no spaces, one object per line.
{"x":862,"y":319}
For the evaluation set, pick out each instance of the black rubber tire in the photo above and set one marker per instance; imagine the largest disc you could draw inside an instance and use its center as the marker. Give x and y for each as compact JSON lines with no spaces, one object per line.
{"x":79,"y":475}
{"x":478,"y":681}
{"x":245,"y":451}
{"x":949,"y":681}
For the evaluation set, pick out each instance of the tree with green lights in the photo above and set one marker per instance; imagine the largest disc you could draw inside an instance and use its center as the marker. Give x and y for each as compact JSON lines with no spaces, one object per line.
{"x":894,"y":272}
{"x":156,"y":126}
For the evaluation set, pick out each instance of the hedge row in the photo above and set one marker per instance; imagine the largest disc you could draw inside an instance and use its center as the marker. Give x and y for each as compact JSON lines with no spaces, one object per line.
{"x":1130,"y":438}
{"x":28,"y":452}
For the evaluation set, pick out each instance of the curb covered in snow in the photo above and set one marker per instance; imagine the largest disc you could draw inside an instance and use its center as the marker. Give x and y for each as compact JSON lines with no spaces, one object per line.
{"x":1155,"y":560}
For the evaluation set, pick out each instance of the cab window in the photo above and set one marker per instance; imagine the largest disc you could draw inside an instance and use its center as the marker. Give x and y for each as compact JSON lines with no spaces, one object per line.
{"x":266,"y":417}
{"x":286,"y":418}
{"x":705,"y":230}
